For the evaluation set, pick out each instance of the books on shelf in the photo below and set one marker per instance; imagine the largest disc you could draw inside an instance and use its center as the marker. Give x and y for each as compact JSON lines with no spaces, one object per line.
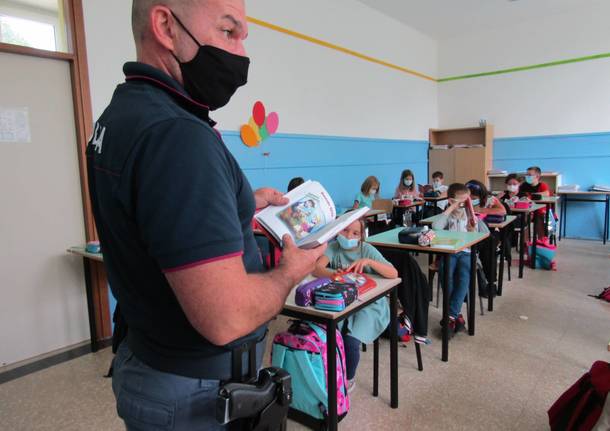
{"x":568,"y":188}
{"x":310,"y":217}
{"x":600,"y":188}
{"x":497,"y":172}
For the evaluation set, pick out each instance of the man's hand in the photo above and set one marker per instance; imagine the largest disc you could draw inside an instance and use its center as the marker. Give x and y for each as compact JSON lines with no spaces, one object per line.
{"x":268,"y":196}
{"x":297,"y":263}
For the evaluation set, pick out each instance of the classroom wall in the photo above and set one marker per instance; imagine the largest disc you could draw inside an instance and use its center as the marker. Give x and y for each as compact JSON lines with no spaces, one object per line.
{"x":319,"y":93}
{"x":556,"y":117}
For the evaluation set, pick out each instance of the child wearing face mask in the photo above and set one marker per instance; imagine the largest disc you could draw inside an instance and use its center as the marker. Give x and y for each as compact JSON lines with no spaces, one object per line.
{"x":349,"y":253}
{"x":511,"y":194}
{"x":457,"y":219}
{"x":407,"y":186}
{"x":531,"y":186}
{"x":369,"y":191}
{"x":483,"y":201}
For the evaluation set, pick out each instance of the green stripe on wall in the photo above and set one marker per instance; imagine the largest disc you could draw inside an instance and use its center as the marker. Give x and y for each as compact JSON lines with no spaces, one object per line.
{"x":523,"y":68}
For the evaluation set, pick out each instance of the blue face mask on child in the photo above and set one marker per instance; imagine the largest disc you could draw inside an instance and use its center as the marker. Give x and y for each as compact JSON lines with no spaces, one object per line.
{"x":476,"y":202}
{"x":529,"y":179}
{"x":347,"y":244}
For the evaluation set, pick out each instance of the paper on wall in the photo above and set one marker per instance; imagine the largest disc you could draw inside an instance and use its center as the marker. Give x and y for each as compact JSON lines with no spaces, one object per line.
{"x":15,"y":125}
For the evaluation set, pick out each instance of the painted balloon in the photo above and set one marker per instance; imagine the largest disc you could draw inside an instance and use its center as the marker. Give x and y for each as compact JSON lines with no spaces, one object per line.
{"x":249,"y":136}
{"x":255,"y":127}
{"x":258,"y":113}
{"x":272,"y":123}
{"x":264,"y":132}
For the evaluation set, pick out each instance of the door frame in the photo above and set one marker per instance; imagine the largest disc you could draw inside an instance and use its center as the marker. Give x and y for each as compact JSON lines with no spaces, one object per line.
{"x":83,"y":120}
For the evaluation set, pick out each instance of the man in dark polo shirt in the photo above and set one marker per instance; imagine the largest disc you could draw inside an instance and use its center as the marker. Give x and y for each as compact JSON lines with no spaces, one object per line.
{"x":174,"y":210}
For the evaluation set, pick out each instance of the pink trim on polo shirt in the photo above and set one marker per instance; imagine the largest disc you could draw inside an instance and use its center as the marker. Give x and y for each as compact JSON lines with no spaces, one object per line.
{"x":202,"y":262}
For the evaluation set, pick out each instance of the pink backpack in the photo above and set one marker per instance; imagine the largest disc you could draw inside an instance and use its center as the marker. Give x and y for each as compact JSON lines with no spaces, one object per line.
{"x":301,"y":350}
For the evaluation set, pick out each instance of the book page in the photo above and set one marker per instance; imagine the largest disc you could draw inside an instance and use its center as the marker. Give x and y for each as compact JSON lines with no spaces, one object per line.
{"x":331,"y":230}
{"x":309,"y":210}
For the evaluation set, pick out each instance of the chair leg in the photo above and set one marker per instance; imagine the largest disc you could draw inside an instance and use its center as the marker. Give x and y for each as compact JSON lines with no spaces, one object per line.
{"x":438,"y":291}
{"x":364,"y":347}
{"x":376,"y":367}
{"x":509,"y":265}
{"x":420,"y":363}
{"x":481,"y":304}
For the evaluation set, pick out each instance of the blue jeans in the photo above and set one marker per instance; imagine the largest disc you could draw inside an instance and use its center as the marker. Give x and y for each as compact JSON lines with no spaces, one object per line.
{"x":459,"y":281}
{"x":148,"y":399}
{"x":352,"y":355}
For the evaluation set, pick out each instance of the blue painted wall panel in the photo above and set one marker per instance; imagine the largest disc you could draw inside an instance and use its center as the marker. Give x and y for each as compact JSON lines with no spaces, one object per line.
{"x":582,"y":159}
{"x":340,"y":164}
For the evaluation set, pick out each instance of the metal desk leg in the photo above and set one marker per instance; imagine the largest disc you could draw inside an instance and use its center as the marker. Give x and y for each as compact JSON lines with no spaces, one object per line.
{"x":331,"y":367}
{"x":394,"y":349}
{"x":445,"y":330}
{"x":430,"y":275}
{"x":534,"y":239}
{"x":606,"y":215}
{"x":472,"y":308}
{"x":90,"y":308}
{"x":502,"y":259}
{"x":491,"y":291}
{"x":546,"y":220}
{"x":524,"y":226}
{"x":565,"y":215}
{"x":376,"y":367}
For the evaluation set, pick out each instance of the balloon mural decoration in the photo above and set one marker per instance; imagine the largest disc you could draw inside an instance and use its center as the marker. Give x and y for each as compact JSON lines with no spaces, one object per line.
{"x":260,"y":126}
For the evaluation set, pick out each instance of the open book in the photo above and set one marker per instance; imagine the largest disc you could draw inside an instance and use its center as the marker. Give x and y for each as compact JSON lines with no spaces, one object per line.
{"x":310,"y":217}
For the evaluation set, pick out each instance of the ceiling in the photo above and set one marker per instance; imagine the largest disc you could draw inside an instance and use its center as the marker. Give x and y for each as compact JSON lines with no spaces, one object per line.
{"x":441,"y":19}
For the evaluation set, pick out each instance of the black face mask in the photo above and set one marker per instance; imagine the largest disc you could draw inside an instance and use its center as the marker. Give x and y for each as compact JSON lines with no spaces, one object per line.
{"x":213,"y":75}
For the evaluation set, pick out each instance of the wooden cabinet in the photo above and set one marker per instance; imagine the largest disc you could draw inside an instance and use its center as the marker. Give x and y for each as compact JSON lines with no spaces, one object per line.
{"x":461,"y":154}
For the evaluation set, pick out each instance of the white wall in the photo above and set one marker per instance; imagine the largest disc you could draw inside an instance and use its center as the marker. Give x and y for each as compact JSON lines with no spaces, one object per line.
{"x":314,"y":89}
{"x":557,"y":100}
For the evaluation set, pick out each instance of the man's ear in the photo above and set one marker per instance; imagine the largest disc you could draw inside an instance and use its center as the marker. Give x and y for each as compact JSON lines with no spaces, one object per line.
{"x":163,"y":26}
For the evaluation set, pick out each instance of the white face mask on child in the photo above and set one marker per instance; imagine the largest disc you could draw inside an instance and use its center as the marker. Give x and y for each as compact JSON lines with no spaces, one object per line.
{"x":408,"y":183}
{"x":513,"y":188}
{"x":372,"y":192}
{"x":437,"y":185}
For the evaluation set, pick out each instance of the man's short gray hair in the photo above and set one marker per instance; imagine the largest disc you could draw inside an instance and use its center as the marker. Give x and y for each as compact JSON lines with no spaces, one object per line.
{"x":140,"y":14}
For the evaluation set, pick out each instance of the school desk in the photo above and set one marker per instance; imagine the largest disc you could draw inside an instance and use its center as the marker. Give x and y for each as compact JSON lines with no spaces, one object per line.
{"x":583,"y":197}
{"x":89,"y":259}
{"x":435,"y":200}
{"x":399,"y":210}
{"x":503,"y":229}
{"x":549,"y":202}
{"x":526,"y":219}
{"x":388,"y":242}
{"x":375,"y":214}
{"x":331,"y":320}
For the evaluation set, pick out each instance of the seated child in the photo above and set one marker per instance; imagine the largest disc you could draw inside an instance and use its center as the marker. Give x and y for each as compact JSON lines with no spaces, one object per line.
{"x":369,"y":191}
{"x":483,"y":201}
{"x":349,"y":253}
{"x":511,"y":194}
{"x":295,"y":182}
{"x":437,"y":185}
{"x":407,"y":186}
{"x":456,"y":218}
{"x":532,"y":186}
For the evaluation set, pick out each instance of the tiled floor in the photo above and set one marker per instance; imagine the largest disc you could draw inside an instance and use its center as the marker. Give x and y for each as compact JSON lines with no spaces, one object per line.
{"x":544,"y":333}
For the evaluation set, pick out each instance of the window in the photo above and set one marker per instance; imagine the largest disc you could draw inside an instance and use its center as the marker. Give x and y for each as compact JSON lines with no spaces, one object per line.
{"x":25,"y":32}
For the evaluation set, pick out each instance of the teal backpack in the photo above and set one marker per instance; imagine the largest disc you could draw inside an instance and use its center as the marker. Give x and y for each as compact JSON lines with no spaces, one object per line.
{"x":302,"y":352}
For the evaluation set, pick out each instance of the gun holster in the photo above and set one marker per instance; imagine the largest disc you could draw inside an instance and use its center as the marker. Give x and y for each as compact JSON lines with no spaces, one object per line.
{"x":255,"y":403}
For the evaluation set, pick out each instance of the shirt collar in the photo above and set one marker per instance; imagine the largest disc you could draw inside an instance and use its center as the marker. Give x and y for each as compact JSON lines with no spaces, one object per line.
{"x":135,"y":71}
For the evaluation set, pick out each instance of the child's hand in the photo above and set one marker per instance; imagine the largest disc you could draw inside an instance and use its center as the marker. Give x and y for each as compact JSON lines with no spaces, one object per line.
{"x":358,"y":266}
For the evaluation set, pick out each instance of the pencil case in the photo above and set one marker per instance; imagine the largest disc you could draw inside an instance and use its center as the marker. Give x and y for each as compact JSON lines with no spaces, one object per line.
{"x":495,"y":218}
{"x":304,"y":295}
{"x":335,"y":296}
{"x":523,"y":205}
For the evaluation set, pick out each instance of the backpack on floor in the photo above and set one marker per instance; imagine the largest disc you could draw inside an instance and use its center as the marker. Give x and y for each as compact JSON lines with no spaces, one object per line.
{"x":545,"y":255}
{"x":605,"y":295}
{"x":579,"y":408}
{"x":301,"y":350}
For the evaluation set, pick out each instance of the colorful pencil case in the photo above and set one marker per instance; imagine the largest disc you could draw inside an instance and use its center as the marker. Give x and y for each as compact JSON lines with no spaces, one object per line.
{"x":335,"y":296}
{"x":523,"y":205}
{"x":304,"y":295}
